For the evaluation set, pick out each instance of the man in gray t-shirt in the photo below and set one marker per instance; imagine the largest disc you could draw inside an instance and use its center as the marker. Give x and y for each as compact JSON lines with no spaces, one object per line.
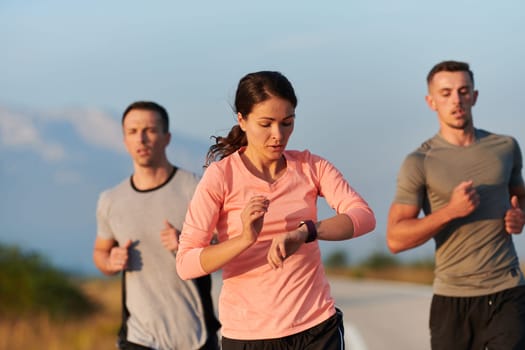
{"x":138,"y":222}
{"x":469,"y":185}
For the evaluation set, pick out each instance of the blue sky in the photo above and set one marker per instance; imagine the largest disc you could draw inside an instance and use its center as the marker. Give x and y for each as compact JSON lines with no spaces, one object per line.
{"x":68,"y":69}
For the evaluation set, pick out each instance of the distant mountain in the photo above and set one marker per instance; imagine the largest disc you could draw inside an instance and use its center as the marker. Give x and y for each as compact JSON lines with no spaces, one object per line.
{"x":51,"y":172}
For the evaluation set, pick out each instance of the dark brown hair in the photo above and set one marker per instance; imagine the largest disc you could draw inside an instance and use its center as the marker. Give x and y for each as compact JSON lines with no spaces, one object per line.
{"x":253,"y":88}
{"x":450,"y":66}
{"x":150,"y":106}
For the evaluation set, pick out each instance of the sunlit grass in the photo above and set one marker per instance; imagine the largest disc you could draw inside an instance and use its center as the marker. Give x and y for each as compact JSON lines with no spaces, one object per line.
{"x":97,"y":331}
{"x":42,"y":307}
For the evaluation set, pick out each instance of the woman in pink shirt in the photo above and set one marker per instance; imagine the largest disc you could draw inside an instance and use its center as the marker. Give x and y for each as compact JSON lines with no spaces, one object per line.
{"x":261,"y":199}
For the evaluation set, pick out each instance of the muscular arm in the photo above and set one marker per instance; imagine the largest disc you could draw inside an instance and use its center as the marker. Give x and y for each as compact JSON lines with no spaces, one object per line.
{"x":405,"y":230}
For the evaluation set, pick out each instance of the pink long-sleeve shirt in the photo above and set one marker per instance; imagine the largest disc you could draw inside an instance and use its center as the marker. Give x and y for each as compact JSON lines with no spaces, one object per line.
{"x":257,"y":302}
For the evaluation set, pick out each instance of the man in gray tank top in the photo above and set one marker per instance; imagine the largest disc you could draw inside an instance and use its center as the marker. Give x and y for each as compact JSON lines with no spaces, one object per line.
{"x":138,"y":222}
{"x":468,"y":183}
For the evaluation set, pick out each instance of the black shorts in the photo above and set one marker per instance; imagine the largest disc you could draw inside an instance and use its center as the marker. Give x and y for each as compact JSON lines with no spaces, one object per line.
{"x":328,"y":335}
{"x":492,"y":322}
{"x":211,"y":344}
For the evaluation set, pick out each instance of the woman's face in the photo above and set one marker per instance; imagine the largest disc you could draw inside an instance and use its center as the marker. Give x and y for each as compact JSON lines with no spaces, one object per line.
{"x":268,"y":127}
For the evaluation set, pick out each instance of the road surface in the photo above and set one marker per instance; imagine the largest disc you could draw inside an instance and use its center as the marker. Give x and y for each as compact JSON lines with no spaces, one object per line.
{"x":383,"y":315}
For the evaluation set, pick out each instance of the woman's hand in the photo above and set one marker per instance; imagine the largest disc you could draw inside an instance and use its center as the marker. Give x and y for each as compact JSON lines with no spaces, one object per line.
{"x":253,"y":216}
{"x":285,"y":245}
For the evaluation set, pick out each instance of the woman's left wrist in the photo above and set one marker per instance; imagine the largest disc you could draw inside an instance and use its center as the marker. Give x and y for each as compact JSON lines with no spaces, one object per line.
{"x":311,"y":230}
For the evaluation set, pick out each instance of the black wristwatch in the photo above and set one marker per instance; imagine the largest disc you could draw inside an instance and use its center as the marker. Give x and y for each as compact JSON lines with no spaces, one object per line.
{"x":312,"y":230}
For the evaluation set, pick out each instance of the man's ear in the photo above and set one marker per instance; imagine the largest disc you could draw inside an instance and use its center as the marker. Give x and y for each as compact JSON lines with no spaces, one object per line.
{"x":474,"y":97}
{"x":430,"y":102}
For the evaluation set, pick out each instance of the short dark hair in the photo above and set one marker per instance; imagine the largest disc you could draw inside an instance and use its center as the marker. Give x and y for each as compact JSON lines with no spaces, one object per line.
{"x":150,"y":106}
{"x":450,"y":66}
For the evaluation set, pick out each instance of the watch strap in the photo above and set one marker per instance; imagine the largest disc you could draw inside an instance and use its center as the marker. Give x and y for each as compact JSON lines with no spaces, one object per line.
{"x":312,"y":230}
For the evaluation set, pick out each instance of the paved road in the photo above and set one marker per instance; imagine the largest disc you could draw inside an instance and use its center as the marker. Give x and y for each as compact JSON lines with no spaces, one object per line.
{"x":380,"y":315}
{"x":383,"y":315}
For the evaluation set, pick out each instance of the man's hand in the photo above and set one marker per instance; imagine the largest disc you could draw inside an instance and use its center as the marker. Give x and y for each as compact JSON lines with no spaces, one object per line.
{"x":514,"y":217}
{"x":169,"y":236}
{"x":464,"y":200}
{"x":118,"y":257}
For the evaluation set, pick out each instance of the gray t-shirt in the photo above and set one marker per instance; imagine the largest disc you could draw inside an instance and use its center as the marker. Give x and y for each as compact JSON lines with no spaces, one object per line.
{"x":474,"y":255}
{"x":165,"y":311}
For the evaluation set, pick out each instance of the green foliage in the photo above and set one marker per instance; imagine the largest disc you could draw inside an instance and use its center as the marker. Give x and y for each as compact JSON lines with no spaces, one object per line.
{"x":30,"y":285}
{"x":379,"y":260}
{"x":336,"y":259}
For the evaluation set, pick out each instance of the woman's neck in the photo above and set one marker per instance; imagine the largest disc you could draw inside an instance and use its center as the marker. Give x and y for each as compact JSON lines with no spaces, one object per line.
{"x":268,"y":171}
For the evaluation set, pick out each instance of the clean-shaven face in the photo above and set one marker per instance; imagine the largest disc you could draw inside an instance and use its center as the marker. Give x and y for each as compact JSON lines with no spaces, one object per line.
{"x":144,"y":138}
{"x":452,"y":95}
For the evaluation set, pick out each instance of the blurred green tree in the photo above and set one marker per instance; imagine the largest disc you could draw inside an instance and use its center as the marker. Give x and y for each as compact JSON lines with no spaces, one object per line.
{"x":30,"y":285}
{"x":337,"y":259}
{"x":379,"y":260}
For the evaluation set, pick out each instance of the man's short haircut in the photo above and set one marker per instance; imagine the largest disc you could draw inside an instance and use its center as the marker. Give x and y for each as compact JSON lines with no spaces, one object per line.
{"x":150,"y":106}
{"x":450,"y":66}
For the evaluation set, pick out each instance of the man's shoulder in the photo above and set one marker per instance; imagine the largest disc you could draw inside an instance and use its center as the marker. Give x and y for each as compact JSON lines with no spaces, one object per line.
{"x":186,"y":176}
{"x":482,"y":134}
{"x":424,"y":148}
{"x":183,"y":183}
{"x":416,"y":158}
{"x":186,"y":172}
{"x":124,"y":185}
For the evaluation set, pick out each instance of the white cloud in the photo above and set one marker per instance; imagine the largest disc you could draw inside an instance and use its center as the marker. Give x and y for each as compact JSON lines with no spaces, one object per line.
{"x":18,"y":130}
{"x":98,"y":128}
